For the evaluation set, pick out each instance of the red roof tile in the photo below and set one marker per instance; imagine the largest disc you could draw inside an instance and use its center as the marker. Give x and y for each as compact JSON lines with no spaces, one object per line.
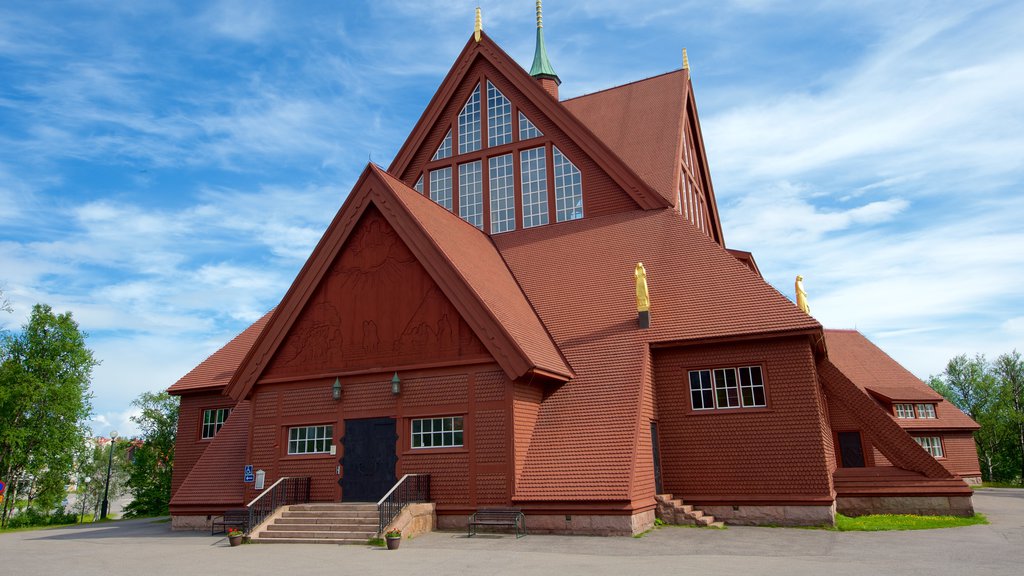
{"x":874,"y":371}
{"x":216,"y":479}
{"x":216,"y":371}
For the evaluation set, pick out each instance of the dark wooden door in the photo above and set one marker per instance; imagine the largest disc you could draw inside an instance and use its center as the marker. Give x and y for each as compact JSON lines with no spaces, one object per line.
{"x":657,"y":458}
{"x":368,"y":463}
{"x":851,"y":451}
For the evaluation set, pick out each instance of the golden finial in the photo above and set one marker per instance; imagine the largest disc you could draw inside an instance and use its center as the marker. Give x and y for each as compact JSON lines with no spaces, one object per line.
{"x":643,"y":298}
{"x":540,"y":20}
{"x":801,"y":295}
{"x":686,"y":61}
{"x":479,"y":25}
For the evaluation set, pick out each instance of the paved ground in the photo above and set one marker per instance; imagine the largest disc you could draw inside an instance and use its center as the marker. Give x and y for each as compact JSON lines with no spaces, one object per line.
{"x":142,"y":547}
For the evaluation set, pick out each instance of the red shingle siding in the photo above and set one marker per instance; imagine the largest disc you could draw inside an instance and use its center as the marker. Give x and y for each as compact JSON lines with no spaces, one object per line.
{"x":772,"y":453}
{"x":189,"y":446}
{"x":525,"y":408}
{"x":643,"y":472}
{"x":960,"y":451}
{"x":215,"y":482}
{"x":450,"y":479}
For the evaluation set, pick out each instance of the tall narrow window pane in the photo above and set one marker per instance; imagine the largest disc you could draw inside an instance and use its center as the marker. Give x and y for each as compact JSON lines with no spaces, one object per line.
{"x":419,"y":185}
{"x":469,"y":124}
{"x":568,"y":188}
{"x":534,"y":179}
{"x":526,"y":128}
{"x":471,"y":193}
{"x":445,"y":149}
{"x":503,"y":203}
{"x":499,"y":117}
{"x":441,"y":186}
{"x":727,"y":392}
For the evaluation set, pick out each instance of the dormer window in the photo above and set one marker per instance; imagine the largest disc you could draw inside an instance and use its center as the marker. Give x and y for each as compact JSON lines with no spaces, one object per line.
{"x":904,"y":410}
{"x":926,"y":410}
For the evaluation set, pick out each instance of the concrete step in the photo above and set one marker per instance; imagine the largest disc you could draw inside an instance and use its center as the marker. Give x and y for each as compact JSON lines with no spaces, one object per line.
{"x":718,"y":524}
{"x":328,"y":514}
{"x":318,"y":535}
{"x":324,"y":527}
{"x":705,"y":520}
{"x":347,"y":521}
{"x":333,"y":507}
{"x":309,"y":541}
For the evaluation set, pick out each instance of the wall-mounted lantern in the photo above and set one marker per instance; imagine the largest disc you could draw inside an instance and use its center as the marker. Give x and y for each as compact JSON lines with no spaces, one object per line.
{"x":396,"y":384}
{"x":336,"y":389}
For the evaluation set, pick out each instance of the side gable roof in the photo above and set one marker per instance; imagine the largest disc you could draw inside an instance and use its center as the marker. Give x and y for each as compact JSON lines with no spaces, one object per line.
{"x":875,"y":372}
{"x":643,"y":123}
{"x":217,"y":369}
{"x":460,"y":259}
{"x":645,"y":196}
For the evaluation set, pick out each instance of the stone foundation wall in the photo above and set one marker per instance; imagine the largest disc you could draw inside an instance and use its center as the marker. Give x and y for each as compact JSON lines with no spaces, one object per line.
{"x":744,"y":515}
{"x":921,"y":505}
{"x":415,"y":519}
{"x":194,"y":523}
{"x":583,"y":524}
{"x":972,"y":480}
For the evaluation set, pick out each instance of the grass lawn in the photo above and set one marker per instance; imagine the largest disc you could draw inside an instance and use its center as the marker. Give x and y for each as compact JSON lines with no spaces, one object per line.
{"x":1001,"y":485}
{"x":877,"y":522}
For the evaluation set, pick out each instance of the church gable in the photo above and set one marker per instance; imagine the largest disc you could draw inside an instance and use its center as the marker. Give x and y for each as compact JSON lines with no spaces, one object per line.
{"x":498,"y":151}
{"x":376,"y":306}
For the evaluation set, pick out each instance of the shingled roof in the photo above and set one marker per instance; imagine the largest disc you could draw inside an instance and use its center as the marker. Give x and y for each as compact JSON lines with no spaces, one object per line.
{"x":876,"y":373}
{"x":207,"y":485}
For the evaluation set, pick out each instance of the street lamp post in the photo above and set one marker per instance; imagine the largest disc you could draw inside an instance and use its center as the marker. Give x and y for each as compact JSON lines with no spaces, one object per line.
{"x":106,"y":488}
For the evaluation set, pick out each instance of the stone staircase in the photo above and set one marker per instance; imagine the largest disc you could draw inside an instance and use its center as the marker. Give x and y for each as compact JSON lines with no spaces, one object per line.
{"x":674,"y":511}
{"x":320,"y":524}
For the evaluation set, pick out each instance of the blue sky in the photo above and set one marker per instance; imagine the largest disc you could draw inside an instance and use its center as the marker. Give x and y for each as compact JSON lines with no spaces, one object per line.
{"x":166,"y":167}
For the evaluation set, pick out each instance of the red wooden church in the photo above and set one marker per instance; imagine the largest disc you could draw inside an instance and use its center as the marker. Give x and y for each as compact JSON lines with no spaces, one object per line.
{"x":476,"y":313}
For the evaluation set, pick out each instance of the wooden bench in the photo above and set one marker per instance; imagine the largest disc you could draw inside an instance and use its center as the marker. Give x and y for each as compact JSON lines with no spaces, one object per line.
{"x":234,"y":518}
{"x":503,"y":517}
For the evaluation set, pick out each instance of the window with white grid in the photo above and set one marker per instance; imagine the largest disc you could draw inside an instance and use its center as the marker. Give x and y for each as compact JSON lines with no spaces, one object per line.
{"x":751,"y":387}
{"x":503,"y":203}
{"x":419,"y":185}
{"x":702,"y":394}
{"x":445,"y":149}
{"x":727,"y":390}
{"x":441,"y":186}
{"x":568,"y":188}
{"x":526,"y":128}
{"x":437,"y":432}
{"x":499,"y":117}
{"x":533,"y":177}
{"x":469,"y":124}
{"x":904,"y":410}
{"x":213,"y":420}
{"x":931,"y":444}
{"x":471,"y":193}
{"x":310,"y":439}
{"x":926,"y":410}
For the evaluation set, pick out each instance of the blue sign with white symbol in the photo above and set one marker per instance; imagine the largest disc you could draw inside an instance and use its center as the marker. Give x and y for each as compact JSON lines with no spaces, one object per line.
{"x":249,"y":477}
{"x":2,"y":487}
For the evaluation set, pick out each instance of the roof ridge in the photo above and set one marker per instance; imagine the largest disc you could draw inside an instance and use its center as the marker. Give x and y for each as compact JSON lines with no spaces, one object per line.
{"x":610,"y":88}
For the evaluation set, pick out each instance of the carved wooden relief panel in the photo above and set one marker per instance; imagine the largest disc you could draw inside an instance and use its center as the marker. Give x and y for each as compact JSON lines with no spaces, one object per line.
{"x":376,"y":306}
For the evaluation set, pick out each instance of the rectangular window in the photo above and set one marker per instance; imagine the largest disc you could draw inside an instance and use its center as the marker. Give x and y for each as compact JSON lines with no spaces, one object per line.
{"x":310,"y":439}
{"x":213,"y":420}
{"x":926,"y":410}
{"x":441,"y":186}
{"x":702,"y":396}
{"x":534,"y":181}
{"x":499,"y":117}
{"x":568,"y":188}
{"x":727,"y":392}
{"x":904,"y":410}
{"x":437,"y":432}
{"x":503,"y":202}
{"x":931,"y":444}
{"x":469,"y":124}
{"x":471,"y":193}
{"x":751,"y":387}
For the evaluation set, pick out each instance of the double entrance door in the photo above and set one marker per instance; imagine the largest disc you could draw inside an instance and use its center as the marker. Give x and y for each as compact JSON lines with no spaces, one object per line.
{"x":368,"y":461}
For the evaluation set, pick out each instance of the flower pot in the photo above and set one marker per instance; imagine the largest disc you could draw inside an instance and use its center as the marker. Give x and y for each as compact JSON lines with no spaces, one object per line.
{"x":235,"y":540}
{"x":393,"y":542}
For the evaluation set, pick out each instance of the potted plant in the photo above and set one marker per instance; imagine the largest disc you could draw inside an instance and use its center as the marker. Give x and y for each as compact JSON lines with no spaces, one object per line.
{"x":394,"y":538}
{"x":235,"y":536}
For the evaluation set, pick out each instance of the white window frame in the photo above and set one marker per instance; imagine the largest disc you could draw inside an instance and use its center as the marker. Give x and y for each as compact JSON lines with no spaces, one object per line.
{"x":445,"y":149}
{"x":931,"y":445}
{"x":502,"y":175}
{"x":424,"y":435}
{"x":704,"y":387}
{"x":533,"y":184}
{"x":499,"y":117}
{"x":213,"y":421}
{"x":904,"y":410}
{"x":314,"y":439}
{"x":723,"y":388}
{"x":568,"y":187}
{"x":925,"y":410}
{"x":469,"y":124}
{"x":527,"y":130}
{"x":471,"y":193}
{"x":754,"y":377}
{"x":441,"y":187}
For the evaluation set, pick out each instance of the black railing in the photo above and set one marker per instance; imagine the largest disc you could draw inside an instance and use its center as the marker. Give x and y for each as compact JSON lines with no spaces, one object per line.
{"x":286,"y":491}
{"x":411,"y":488}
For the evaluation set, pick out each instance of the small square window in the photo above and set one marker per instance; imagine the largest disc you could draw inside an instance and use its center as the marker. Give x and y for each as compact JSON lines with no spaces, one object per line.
{"x":213,"y":420}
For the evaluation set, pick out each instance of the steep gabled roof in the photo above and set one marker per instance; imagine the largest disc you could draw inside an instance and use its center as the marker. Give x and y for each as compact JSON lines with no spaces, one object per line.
{"x":641,"y":192}
{"x":459,"y":258}
{"x":217,"y":369}
{"x":212,"y":481}
{"x":643,"y":123}
{"x":875,"y":372}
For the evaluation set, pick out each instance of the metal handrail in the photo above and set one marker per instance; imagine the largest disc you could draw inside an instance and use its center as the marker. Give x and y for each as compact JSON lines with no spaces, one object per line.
{"x":286,"y":491}
{"x":410,"y":488}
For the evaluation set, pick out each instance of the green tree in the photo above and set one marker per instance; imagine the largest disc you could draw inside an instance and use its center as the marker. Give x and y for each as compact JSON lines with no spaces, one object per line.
{"x":1009,"y":371}
{"x":149,"y":473}
{"x":45,"y":371}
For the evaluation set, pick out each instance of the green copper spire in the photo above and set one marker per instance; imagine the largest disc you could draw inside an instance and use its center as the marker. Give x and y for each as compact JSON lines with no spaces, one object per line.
{"x":541,"y":66}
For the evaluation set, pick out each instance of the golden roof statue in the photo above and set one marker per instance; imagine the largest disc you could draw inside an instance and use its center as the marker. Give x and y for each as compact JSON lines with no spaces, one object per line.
{"x":801,"y":295}
{"x":643,"y":299}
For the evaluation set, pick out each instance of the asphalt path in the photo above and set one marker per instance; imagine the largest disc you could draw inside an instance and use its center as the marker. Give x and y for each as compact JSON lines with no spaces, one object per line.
{"x":143,"y":547}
